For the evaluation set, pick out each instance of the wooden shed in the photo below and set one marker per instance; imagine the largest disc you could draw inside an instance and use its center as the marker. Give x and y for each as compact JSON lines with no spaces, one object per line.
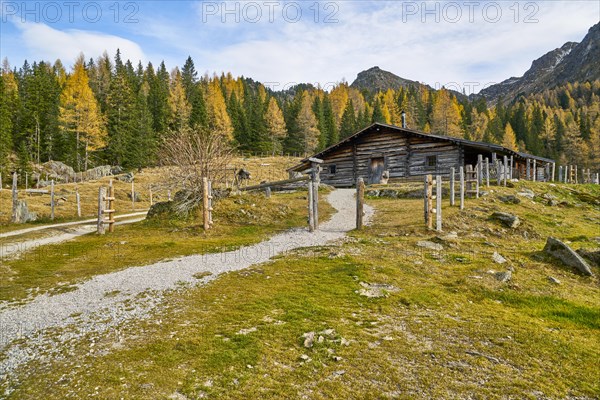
{"x":401,"y":153}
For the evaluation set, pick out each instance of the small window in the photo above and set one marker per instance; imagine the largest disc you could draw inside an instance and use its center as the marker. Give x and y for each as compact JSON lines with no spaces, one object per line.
{"x":332,"y":169}
{"x":431,"y":161}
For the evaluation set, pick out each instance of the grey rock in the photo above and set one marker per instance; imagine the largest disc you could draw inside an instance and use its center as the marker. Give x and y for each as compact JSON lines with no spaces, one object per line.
{"x":136,"y":197}
{"x":98,"y":172}
{"x":374,"y":290}
{"x":509,"y":220}
{"x":430,"y":245}
{"x":128,"y":177}
{"x":509,"y":199}
{"x":372,"y":193}
{"x":592,"y":255}
{"x":503,"y":276}
{"x":498,"y":258}
{"x":22,"y":213}
{"x":389,"y":193}
{"x":552,"y":203}
{"x":563,"y":252}
{"x":526,"y":193}
{"x":309,"y":339}
{"x":554,"y":280}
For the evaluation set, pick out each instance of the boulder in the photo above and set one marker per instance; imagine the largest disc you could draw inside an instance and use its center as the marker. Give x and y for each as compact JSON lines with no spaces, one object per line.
{"x":430,"y":245}
{"x":23,"y":215}
{"x":592,"y":255}
{"x":128,"y":177}
{"x":498,"y":258}
{"x":509,"y":220}
{"x":98,"y":172}
{"x":372,"y":193}
{"x":136,"y":197}
{"x":563,"y":252}
{"x":503,"y":276}
{"x":116,"y":170}
{"x":58,"y":170}
{"x":526,"y":193}
{"x":509,"y":199}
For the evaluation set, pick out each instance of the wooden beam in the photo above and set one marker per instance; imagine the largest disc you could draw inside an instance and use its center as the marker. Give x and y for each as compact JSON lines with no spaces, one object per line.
{"x":360,"y":200}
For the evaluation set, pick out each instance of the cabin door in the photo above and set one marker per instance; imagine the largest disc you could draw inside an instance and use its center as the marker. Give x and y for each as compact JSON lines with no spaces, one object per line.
{"x":376,"y":170}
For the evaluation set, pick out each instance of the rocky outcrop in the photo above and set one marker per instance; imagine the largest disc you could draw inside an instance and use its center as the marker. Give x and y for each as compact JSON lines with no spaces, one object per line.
{"x":509,"y":220}
{"x":567,"y":255}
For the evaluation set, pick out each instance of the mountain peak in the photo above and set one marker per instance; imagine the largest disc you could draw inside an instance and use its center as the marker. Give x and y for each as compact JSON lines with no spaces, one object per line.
{"x":376,"y":79}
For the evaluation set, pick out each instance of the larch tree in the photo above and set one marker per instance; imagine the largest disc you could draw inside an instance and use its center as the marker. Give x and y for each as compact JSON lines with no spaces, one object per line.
{"x":307,"y":124}
{"x":275,"y":125}
{"x":509,"y":141}
{"x":179,"y":107}
{"x":445,"y":119}
{"x":80,"y":116}
{"x":218,"y":119}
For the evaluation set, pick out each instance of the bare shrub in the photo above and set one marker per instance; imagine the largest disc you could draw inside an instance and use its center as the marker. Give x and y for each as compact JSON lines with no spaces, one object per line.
{"x":191,"y":154}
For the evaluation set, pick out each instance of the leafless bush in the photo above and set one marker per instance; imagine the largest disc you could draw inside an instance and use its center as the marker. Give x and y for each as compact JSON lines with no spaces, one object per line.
{"x":191,"y":154}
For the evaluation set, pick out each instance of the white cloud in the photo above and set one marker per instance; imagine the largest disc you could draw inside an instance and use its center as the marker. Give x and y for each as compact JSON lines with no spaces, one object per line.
{"x":46,"y":43}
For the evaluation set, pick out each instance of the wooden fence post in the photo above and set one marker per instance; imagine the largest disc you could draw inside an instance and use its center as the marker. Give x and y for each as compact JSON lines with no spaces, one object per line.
{"x":534,"y":177}
{"x":505,"y":169}
{"x":205,"y":205}
{"x":150,"y":194}
{"x":512,"y":166}
{"x":0,"y":181}
{"x":268,"y":192}
{"x":553,"y":171}
{"x":15,"y":198}
{"x":566,"y":180}
{"x":210,"y":204}
{"x":111,"y":207}
{"x":452,"y":186}
{"x":78,"y":199}
{"x":560,"y":173}
{"x":316,"y":179}
{"x":311,"y":204}
{"x":133,"y":195}
{"x":100,"y":225}
{"x":169,"y":194}
{"x":487,"y":172}
{"x":26,"y":181}
{"x":498,"y":172}
{"x":360,"y":200}
{"x":52,"y":200}
{"x":480,"y":169}
{"x":438,"y":203}
{"x":576,"y":175}
{"x":462,"y":187}
{"x":429,"y":202}
{"x":425,"y":205}
{"x":477,"y":168}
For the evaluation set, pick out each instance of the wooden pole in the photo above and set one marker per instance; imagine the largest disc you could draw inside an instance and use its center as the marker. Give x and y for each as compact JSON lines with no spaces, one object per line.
{"x":52,"y":200}
{"x":268,"y":192}
{"x":26,"y":181}
{"x":111,"y":207}
{"x":360,"y":200}
{"x":566,"y":180}
{"x":479,"y":169}
{"x":425,"y":203}
{"x":498,"y":172}
{"x":316,"y":178}
{"x":132,"y":195}
{"x":462,"y":187}
{"x":560,"y":173}
{"x":150,"y":194}
{"x":100,"y":225}
{"x":0,"y":181}
{"x":311,"y":204}
{"x":15,"y":198}
{"x":553,"y":171}
{"x":452,"y":186}
{"x":487,"y":172}
{"x":78,"y":199}
{"x":512,"y":166}
{"x":505,"y":169}
{"x":169,"y":194}
{"x":576,"y":175}
{"x":205,"y":205}
{"x":528,"y":171}
{"x":429,"y":202}
{"x":210,"y":204}
{"x":534,"y":177}
{"x":438,"y":203}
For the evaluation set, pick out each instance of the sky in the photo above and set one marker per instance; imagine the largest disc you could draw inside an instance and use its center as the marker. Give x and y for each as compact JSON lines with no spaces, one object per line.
{"x":457,"y":44}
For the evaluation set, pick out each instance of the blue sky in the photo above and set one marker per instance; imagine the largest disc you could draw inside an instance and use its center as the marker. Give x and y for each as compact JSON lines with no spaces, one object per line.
{"x":458,"y":44}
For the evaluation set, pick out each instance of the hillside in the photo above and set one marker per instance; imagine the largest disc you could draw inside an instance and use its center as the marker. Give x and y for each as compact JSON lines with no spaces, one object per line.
{"x":383,"y":313}
{"x":377,"y":80}
{"x":573,"y":62}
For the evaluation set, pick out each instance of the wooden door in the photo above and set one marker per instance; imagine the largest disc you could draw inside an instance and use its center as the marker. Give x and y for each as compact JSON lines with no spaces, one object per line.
{"x":376,"y":168}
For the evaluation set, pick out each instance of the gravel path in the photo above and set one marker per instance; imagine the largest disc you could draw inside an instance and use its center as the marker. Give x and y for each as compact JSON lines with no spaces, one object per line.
{"x":65,"y":224}
{"x":14,"y":249}
{"x":98,"y":305}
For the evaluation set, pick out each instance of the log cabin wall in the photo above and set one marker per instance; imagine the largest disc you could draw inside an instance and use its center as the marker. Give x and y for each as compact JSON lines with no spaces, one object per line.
{"x":404,"y":156}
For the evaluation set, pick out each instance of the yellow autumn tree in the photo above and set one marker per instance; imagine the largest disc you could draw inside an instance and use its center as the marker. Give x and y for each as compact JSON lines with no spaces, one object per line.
{"x":80,"y":115}
{"x":275,"y":125}
{"x":218,"y":119}
{"x":180,"y":108}
{"x":307,"y":124}
{"x":509,"y":140}
{"x":339,"y":99}
{"x":446,"y":118}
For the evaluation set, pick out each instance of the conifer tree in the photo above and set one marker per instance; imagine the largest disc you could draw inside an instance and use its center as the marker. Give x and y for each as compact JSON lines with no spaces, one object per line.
{"x":275,"y":125}
{"x":348,"y":124}
{"x":218,"y":119}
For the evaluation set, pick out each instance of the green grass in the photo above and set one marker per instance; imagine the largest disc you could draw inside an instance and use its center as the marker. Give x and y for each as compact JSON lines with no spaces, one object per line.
{"x":44,"y":268}
{"x":450,"y":330}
